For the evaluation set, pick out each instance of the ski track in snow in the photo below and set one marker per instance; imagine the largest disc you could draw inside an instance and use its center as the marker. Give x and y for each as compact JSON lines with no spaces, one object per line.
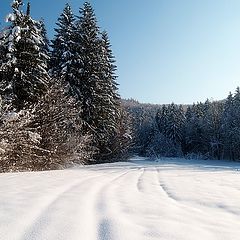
{"x":171,"y":199}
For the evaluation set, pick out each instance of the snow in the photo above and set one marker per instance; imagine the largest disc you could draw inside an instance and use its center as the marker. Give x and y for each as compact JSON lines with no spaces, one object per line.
{"x":167,"y":199}
{"x":10,"y":17}
{"x":16,"y":30}
{"x":35,"y":137}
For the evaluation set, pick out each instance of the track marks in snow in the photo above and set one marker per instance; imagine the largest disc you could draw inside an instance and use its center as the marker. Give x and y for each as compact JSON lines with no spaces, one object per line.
{"x":164,"y":187}
{"x":105,"y":230}
{"x":140,"y":181}
{"x":59,"y":206}
{"x":200,"y":205}
{"x":41,"y":222}
{"x":111,"y":220}
{"x":139,"y":200}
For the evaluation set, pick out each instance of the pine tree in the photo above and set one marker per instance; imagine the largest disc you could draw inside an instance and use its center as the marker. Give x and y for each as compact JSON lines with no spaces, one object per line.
{"x":174,"y":127}
{"x":188,"y":130}
{"x":24,"y":65}
{"x":108,"y":109}
{"x":235,"y":125}
{"x":227,"y":127}
{"x":62,"y":56}
{"x":97,"y":87}
{"x":46,"y":45}
{"x":212,"y":129}
{"x":121,"y":141}
{"x":87,"y":37}
{"x":162,"y":118}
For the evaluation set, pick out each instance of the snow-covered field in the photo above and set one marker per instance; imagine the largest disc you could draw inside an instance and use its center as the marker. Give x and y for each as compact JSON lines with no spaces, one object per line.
{"x":169,"y":199}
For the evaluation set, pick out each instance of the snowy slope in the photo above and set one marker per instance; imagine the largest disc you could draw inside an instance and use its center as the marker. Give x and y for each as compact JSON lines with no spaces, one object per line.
{"x":170,"y":199}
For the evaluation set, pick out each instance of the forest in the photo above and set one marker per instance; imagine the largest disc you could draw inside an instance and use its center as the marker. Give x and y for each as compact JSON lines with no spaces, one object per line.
{"x":60,"y":104}
{"x":59,"y":99}
{"x":208,"y":130}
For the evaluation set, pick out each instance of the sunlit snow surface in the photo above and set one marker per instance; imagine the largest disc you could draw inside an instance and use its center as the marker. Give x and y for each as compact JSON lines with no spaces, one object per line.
{"x":170,"y":199}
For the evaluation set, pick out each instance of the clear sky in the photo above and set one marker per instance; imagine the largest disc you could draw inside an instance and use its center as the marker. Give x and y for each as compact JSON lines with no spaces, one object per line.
{"x":180,"y":51}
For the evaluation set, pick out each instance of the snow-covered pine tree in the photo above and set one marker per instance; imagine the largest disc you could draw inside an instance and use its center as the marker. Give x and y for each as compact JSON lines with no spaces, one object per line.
{"x":108,"y":109}
{"x":162,"y":119}
{"x":227,"y":127}
{"x":235,"y":125}
{"x":64,"y":57}
{"x":7,"y":58}
{"x":174,"y":127}
{"x":197,"y":128}
{"x":109,"y":68}
{"x":89,"y":48}
{"x":142,"y":119}
{"x":188,"y":130}
{"x":24,"y":65}
{"x":46,"y":45}
{"x":170,"y":121}
{"x":97,"y":85}
{"x":122,"y":140}
{"x":212,"y":129}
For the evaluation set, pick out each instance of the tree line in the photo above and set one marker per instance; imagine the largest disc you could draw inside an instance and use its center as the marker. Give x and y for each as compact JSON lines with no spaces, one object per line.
{"x":209,"y":130}
{"x":59,"y":100}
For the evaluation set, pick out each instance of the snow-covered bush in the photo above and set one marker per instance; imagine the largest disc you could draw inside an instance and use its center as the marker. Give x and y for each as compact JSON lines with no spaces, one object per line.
{"x":46,"y":136}
{"x":19,"y":144}
{"x":58,"y":120}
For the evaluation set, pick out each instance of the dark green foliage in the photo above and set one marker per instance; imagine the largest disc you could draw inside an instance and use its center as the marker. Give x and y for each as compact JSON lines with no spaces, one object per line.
{"x":170,"y":121}
{"x":63,"y":47}
{"x":74,"y":116}
{"x":205,"y":130}
{"x":96,"y":84}
{"x":23,"y":68}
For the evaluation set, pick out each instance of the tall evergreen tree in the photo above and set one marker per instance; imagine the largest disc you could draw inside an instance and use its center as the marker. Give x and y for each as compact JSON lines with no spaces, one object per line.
{"x":62,"y":56}
{"x":24,"y":65}
{"x":212,"y":127}
{"x":235,"y":125}
{"x":87,"y":37}
{"x":97,"y":87}
{"x":108,"y":110}
{"x":175,"y":123}
{"x":46,"y":45}
{"x":162,"y":118}
{"x":227,"y":127}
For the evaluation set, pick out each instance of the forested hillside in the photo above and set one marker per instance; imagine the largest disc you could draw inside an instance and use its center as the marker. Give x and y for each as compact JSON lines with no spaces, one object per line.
{"x":208,"y":130}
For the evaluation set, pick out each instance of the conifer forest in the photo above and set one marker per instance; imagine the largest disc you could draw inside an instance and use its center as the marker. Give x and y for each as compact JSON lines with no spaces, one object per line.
{"x":59,"y":99}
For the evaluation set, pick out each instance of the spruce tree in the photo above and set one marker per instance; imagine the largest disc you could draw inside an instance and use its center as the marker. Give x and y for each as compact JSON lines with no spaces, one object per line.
{"x":87,"y":37}
{"x":62,"y":56}
{"x":175,"y":123}
{"x":171,"y":121}
{"x":24,"y":66}
{"x":108,"y":110}
{"x":235,"y":127}
{"x":97,"y":85}
{"x":46,"y":45}
{"x":227,"y":124}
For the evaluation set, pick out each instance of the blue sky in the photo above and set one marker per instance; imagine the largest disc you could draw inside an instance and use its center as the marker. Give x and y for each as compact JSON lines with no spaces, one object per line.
{"x":166,"y":50}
